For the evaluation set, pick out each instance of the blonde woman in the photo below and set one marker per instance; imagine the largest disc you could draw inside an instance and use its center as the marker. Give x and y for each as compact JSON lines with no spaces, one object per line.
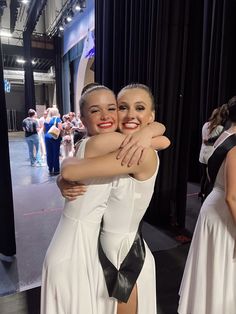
{"x":52,"y":145}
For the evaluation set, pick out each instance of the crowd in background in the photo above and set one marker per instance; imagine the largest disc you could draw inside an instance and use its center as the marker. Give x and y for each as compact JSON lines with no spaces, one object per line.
{"x":42,"y":147}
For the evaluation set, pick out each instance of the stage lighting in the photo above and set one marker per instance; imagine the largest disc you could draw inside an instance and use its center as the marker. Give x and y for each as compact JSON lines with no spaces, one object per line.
{"x":78,"y":8}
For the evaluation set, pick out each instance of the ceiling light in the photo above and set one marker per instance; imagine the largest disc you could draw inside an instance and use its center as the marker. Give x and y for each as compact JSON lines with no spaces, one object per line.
{"x":61,"y":28}
{"x":69,"y":18}
{"x":22,"y":61}
{"x":78,"y":8}
{"x":4,"y":33}
{"x":33,"y":62}
{"x":24,"y":1}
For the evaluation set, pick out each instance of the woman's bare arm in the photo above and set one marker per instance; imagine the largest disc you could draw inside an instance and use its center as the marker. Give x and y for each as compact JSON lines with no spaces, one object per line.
{"x":131,"y":146}
{"x":230,"y":181}
{"x":73,"y":169}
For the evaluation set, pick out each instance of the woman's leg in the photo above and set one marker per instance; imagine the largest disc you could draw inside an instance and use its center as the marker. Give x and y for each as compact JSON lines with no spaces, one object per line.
{"x":131,"y":306}
{"x":56,"y":154}
{"x":49,"y":154}
{"x":66,"y":149}
{"x":31,"y":149}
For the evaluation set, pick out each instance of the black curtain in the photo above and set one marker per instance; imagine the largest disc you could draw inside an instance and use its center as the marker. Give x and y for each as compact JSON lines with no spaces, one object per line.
{"x":7,"y":227}
{"x":217,"y":64}
{"x":183,"y":51}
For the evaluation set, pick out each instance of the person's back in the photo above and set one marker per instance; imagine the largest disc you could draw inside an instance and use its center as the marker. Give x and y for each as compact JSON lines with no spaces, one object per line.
{"x":208,"y":284}
{"x":30,"y":126}
{"x":211,"y":130}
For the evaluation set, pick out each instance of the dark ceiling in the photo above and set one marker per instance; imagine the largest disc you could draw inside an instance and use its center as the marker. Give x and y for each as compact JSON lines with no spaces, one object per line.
{"x":42,"y":51}
{"x":40,"y":65}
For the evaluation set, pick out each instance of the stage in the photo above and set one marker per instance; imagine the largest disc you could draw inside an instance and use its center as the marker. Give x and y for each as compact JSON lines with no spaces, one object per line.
{"x":37,"y":208}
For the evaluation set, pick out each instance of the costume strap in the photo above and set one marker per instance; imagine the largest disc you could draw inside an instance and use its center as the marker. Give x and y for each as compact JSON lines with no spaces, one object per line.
{"x":216,"y":159}
{"x":120,"y":282}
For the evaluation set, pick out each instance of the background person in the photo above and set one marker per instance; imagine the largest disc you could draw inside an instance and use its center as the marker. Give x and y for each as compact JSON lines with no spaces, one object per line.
{"x":41,"y":134}
{"x":67,"y":136}
{"x":52,"y":145}
{"x":211,"y":130}
{"x":31,"y":127}
{"x":208,"y":284}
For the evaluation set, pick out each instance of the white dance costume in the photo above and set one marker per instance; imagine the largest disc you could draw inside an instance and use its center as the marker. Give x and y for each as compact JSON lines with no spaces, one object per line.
{"x":127,"y":204}
{"x":71,"y":266}
{"x":209,"y":281}
{"x":73,"y":280}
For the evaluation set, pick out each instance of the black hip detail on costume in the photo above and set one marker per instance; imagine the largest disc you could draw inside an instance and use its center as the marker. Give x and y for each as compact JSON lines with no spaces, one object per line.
{"x":120,"y":282}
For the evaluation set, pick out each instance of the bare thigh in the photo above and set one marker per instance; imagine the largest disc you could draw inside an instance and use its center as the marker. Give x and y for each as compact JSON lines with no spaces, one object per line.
{"x":131,"y":306}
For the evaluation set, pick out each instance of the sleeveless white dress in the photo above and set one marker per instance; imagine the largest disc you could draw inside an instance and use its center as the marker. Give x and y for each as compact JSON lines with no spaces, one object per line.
{"x":71,"y":266}
{"x":128,"y":201}
{"x":209,"y":281}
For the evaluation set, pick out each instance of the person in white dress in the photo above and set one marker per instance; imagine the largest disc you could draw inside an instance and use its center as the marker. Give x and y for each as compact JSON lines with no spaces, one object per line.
{"x":71,"y":271}
{"x":41,"y":134}
{"x":210,"y":130}
{"x":208,"y":284}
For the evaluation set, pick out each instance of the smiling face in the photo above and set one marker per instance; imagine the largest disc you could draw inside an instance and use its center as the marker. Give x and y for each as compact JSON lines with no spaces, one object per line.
{"x":134,"y":110}
{"x":100,"y":112}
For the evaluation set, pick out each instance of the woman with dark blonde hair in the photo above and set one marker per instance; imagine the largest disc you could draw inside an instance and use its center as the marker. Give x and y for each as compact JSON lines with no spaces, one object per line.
{"x":53,"y":145}
{"x":208,"y":284}
{"x":211,"y":130}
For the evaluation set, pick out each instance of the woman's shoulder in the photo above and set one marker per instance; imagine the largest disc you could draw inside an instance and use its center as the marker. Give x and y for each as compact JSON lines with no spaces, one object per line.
{"x":80,"y":147}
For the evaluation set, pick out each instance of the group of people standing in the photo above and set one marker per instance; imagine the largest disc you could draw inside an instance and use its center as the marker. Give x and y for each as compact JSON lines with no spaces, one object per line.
{"x":98,"y":261}
{"x":42,"y":145}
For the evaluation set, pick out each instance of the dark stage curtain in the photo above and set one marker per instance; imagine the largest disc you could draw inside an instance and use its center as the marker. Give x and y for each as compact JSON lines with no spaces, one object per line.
{"x":184,"y":51}
{"x":7,"y":227}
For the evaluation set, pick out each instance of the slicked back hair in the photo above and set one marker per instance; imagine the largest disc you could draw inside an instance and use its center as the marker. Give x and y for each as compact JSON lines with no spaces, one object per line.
{"x":83,"y":98}
{"x":139,"y":86}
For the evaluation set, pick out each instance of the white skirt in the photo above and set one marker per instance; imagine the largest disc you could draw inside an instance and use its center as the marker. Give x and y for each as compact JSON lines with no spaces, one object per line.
{"x":209,"y":281}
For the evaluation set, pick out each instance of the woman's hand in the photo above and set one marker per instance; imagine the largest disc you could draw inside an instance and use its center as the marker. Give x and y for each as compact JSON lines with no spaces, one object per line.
{"x":70,"y":190}
{"x":132,"y":150}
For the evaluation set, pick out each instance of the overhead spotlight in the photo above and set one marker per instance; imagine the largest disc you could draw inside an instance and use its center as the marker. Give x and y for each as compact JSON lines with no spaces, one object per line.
{"x":78,"y":7}
{"x":24,"y":1}
{"x":33,"y":62}
{"x":61,"y":28}
{"x":69,"y":18}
